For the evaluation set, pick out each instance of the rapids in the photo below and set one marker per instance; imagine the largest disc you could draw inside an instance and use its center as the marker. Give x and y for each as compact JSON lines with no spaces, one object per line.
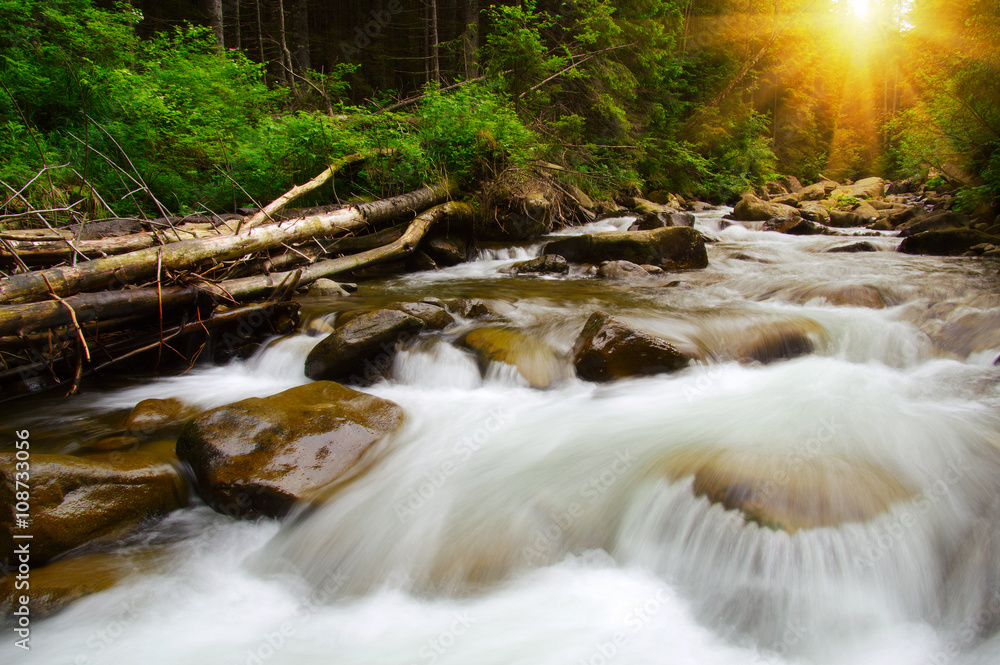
{"x":506,"y":524}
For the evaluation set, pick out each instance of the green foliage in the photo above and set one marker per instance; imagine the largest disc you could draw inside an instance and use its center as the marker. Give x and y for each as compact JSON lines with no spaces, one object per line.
{"x":470,"y":128}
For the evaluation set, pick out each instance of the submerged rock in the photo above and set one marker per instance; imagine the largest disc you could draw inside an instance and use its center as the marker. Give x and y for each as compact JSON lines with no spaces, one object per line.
{"x":764,"y":342}
{"x":362,"y":349}
{"x":58,"y":584}
{"x":157,"y":416}
{"x":608,"y":349}
{"x":472,"y":308}
{"x":675,"y":248}
{"x":790,"y":491}
{"x":623,"y":270}
{"x":77,"y":499}
{"x":534,"y":359}
{"x":262,"y":456}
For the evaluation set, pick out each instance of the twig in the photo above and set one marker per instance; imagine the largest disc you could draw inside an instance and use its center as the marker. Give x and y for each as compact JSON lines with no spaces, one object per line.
{"x":72,"y":315}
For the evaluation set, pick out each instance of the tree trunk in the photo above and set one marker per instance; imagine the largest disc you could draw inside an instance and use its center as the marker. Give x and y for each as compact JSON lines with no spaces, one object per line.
{"x":300,"y":33}
{"x":231,"y":14}
{"x":286,"y":55}
{"x":260,"y":41}
{"x":248,"y":288}
{"x":470,"y":38}
{"x":213,"y":8}
{"x":435,"y":43}
{"x":146,"y":264}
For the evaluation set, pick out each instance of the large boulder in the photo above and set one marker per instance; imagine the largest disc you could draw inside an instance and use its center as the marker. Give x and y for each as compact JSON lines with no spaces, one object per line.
{"x":608,"y":349}
{"x":931,"y":221}
{"x":263,"y":456}
{"x":434,"y":315}
{"x":534,"y":359}
{"x":754,"y":209}
{"x":867,"y":188}
{"x":658,"y":220}
{"x":362,"y":349}
{"x":815,"y":211}
{"x":74,"y":500}
{"x":446,"y":250}
{"x":948,"y":242}
{"x":675,"y":248}
{"x":814,"y":192}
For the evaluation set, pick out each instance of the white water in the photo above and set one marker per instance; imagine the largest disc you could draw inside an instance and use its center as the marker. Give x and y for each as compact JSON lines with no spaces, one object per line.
{"x":504,"y":524}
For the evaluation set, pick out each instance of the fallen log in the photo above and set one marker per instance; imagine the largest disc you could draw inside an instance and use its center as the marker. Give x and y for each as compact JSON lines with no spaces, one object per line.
{"x":220,"y":335}
{"x":267,"y":213}
{"x":144,"y":264}
{"x":24,"y":318}
{"x":249,"y":287}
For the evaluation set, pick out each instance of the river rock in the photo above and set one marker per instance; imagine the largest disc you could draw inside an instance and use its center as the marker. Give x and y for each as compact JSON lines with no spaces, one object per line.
{"x":362,"y":349}
{"x":777,"y":340}
{"x":814,"y":192}
{"x":791,"y":183}
{"x":753,"y":209}
{"x":932,"y":221}
{"x":447,"y":250}
{"x":263,"y":456}
{"x":622,"y":270}
{"x":658,"y":220}
{"x":534,"y":359}
{"x":434,"y":316}
{"x":948,"y":242}
{"x":60,"y":583}
{"x":815,"y":211}
{"x":156,"y":416}
{"x":675,"y":248}
{"x":77,"y":499}
{"x":792,"y":491}
{"x":327,"y":288}
{"x":862,"y":246}
{"x":846,"y":219}
{"x":796,"y":226}
{"x":608,"y":349}
{"x":849,"y":295}
{"x":788,"y":199}
{"x":645,"y":206}
{"x":547,"y":264}
{"x":472,"y":308}
{"x":867,"y":188}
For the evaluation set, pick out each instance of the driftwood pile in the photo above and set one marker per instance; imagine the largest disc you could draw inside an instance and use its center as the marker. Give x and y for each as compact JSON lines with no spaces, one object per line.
{"x":71,"y":306}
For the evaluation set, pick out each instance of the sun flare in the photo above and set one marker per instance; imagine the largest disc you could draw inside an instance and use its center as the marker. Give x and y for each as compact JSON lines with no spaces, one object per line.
{"x":859,"y":8}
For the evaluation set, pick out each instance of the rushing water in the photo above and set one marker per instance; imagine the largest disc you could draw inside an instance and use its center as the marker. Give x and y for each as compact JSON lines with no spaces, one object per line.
{"x":507,"y":524}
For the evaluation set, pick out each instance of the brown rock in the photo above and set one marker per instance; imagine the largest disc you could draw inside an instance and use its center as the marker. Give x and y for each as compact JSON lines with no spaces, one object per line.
{"x":534,"y":359}
{"x":262,"y":456}
{"x":792,"y":491}
{"x":607,"y":349}
{"x":675,"y":248}
{"x":435,"y":317}
{"x":548,"y":264}
{"x":362,"y":349}
{"x":77,"y":499}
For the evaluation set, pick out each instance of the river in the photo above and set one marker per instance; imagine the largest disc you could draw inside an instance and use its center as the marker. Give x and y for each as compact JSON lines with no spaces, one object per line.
{"x":506,"y":524}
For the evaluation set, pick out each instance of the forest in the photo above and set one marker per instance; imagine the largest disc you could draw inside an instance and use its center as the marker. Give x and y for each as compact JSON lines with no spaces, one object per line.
{"x":112,"y":109}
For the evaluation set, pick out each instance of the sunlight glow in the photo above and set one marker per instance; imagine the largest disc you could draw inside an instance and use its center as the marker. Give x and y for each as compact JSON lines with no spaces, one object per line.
{"x":859,"y":8}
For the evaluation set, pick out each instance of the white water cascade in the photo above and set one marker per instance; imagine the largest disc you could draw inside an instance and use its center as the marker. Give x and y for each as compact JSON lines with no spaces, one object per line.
{"x":510,"y":525}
